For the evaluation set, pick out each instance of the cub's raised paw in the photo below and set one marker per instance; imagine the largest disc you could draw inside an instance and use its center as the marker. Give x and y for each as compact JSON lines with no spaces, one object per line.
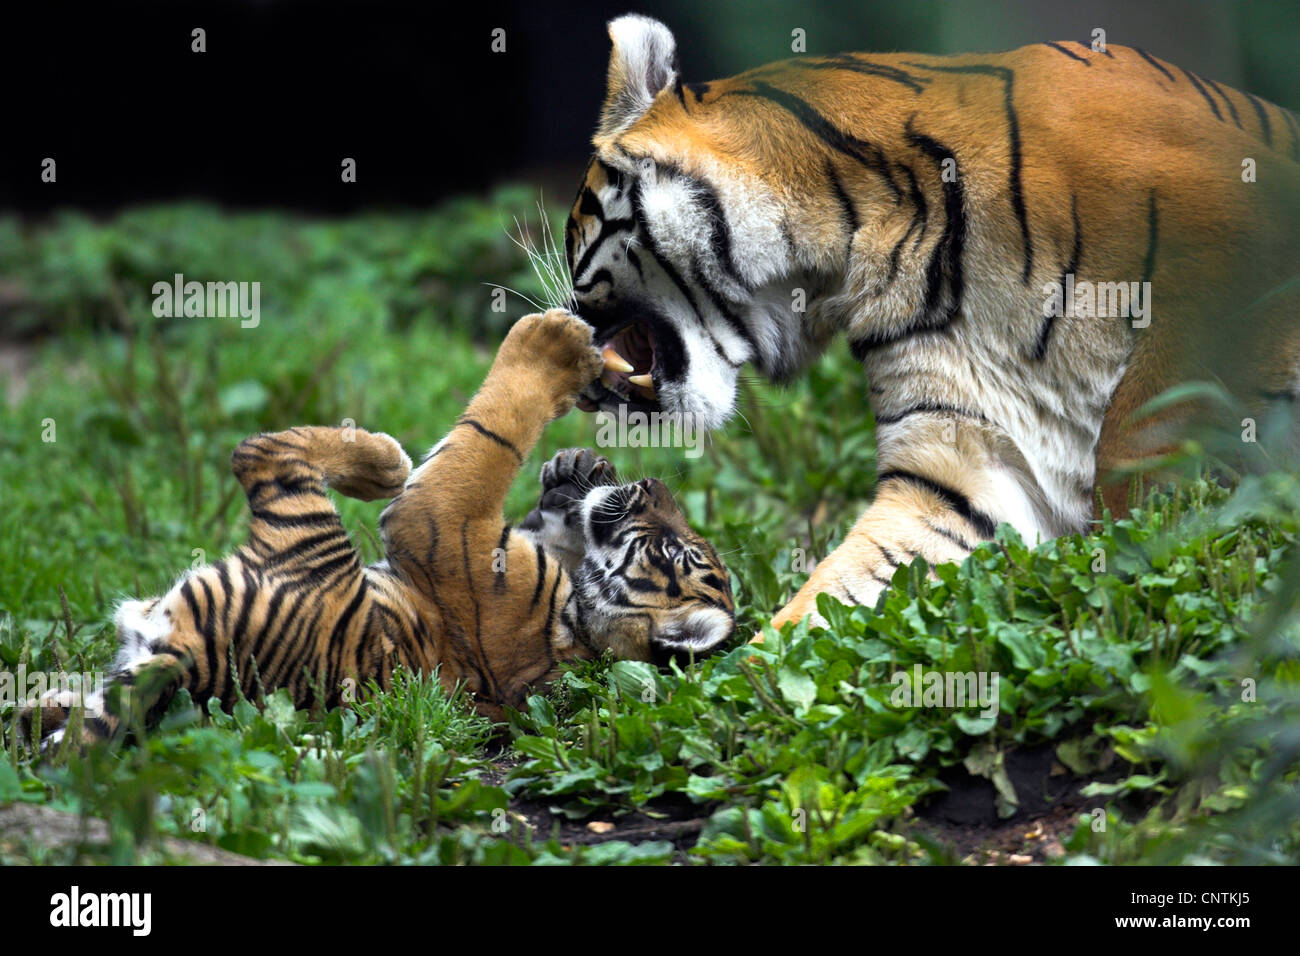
{"x":581,"y":467}
{"x":554,"y":353}
{"x":568,"y":476}
{"x":367,"y":465}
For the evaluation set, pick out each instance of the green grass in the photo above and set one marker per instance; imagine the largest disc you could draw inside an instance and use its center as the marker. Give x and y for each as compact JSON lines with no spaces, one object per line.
{"x":1131,"y":669}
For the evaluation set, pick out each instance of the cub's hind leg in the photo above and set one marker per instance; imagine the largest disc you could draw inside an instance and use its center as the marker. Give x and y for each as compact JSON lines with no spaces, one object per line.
{"x":296,"y":541}
{"x":184,"y":639}
{"x":141,"y":682}
{"x":305,"y":620}
{"x":300,"y":461}
{"x":254,"y":620}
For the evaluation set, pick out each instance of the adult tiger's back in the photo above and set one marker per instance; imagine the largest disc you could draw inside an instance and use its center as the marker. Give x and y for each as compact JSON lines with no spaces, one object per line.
{"x":927,"y":207}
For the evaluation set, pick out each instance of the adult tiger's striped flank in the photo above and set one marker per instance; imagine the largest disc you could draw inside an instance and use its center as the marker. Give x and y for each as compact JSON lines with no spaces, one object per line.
{"x":952,"y":218}
{"x":596,"y":567}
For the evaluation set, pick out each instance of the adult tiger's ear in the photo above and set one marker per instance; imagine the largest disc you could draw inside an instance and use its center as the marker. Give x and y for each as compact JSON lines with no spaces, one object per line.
{"x":643,"y":61}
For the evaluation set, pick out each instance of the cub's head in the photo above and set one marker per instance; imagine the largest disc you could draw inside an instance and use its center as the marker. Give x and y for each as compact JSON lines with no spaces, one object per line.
{"x":648,"y":586}
{"x":652,"y":588}
{"x":677,"y":243}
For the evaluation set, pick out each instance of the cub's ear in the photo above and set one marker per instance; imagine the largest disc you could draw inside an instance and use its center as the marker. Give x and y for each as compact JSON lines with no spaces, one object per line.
{"x":643,"y":61}
{"x":704,"y":632}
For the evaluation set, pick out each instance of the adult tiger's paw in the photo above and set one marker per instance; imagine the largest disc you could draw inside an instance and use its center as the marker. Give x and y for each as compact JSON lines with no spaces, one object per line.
{"x":554,"y":353}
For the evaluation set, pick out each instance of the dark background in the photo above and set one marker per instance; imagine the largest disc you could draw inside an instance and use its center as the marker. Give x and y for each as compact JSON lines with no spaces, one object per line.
{"x":413,"y":92}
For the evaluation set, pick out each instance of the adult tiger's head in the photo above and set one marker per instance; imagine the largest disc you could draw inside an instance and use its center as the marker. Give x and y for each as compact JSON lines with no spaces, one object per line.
{"x":676,"y":243}
{"x":650,"y":587}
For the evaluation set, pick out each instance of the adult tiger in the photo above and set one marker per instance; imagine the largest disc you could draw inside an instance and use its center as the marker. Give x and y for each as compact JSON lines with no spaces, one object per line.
{"x":927,"y":207}
{"x":595,"y":567}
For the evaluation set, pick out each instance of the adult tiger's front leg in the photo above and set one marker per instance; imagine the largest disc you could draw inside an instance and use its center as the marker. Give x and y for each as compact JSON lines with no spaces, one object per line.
{"x":911,"y":516}
{"x":942,"y":481}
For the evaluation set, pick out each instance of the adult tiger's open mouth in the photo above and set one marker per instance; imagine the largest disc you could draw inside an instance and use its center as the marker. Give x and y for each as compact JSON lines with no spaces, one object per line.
{"x":629,"y":374}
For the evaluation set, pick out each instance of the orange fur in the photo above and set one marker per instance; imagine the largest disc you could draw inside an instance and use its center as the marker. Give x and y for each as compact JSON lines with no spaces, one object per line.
{"x":460,"y":592}
{"x":905,"y":183}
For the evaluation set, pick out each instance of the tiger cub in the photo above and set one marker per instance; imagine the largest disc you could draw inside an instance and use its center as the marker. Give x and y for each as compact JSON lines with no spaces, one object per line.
{"x":596,"y":567}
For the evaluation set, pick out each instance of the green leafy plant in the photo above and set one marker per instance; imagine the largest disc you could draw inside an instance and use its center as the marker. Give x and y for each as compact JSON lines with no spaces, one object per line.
{"x":1155,"y":659}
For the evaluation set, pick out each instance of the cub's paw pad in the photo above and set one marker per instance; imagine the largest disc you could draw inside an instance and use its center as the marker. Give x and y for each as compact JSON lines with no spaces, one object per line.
{"x":578,"y":466}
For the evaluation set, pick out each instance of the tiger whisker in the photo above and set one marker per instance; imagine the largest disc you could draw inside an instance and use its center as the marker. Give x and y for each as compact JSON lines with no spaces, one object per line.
{"x":539,"y":266}
{"x":526,"y":298}
{"x":560,"y":272}
{"x":543,"y":263}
